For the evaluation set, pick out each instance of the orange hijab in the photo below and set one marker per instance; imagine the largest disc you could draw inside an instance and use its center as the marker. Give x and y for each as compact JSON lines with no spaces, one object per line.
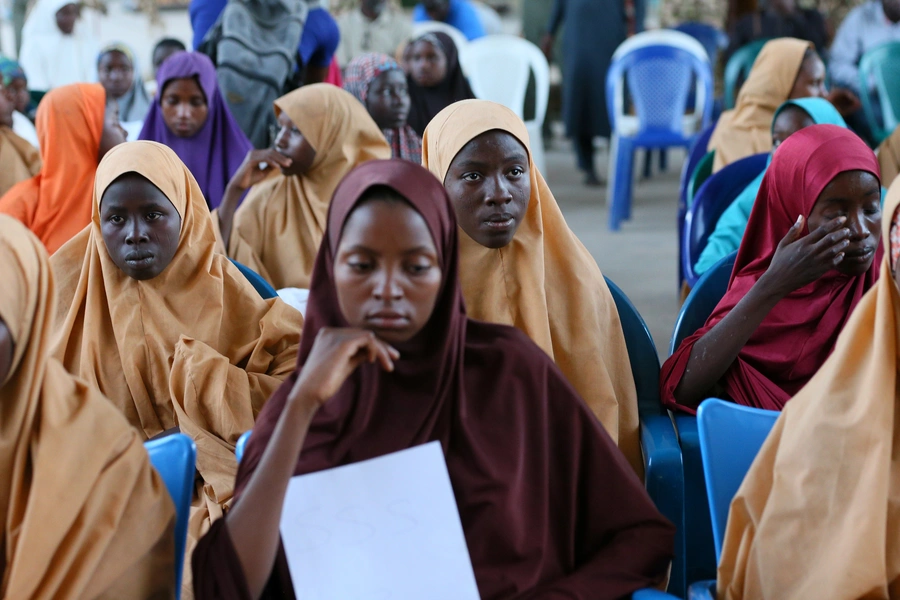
{"x":545,"y":282}
{"x":82,"y":512}
{"x":56,"y":203}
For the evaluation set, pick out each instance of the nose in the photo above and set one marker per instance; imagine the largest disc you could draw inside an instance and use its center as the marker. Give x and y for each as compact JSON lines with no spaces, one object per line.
{"x":387,"y":287}
{"x":136,"y":233}
{"x":859,"y":228}
{"x":497,"y":190}
{"x":183,"y":110}
{"x":281,"y":140}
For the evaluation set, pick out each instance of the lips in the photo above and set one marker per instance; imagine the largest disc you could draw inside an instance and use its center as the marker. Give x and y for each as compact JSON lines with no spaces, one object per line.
{"x":500,"y":221}
{"x":859,"y":255}
{"x":388,"y":319}
{"x":138,"y":259}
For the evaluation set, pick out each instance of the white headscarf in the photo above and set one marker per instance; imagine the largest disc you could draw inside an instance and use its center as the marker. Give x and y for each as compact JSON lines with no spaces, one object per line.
{"x":50,"y":58}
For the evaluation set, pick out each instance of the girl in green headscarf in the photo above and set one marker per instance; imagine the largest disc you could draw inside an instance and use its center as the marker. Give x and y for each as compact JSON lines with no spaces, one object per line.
{"x":789,"y":118}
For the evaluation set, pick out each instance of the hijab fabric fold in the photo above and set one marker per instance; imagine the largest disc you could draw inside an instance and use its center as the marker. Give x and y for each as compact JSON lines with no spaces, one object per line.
{"x":278,"y":228}
{"x":195,"y":347}
{"x":817,"y":512}
{"x":745,"y":130}
{"x":548,"y":505}
{"x":545,"y":282}
{"x":360,"y":73}
{"x":214,"y":153}
{"x":426,"y":102}
{"x":799,"y":333}
{"x":55,"y":204}
{"x":889,"y":157}
{"x":84,"y":514}
{"x":19,"y":160}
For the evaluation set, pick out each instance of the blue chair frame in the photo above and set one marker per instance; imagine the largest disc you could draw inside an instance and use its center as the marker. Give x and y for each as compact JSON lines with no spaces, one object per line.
{"x":880,"y":63}
{"x":713,"y":39}
{"x":702,"y":300}
{"x":175,"y":458}
{"x":662,"y":456}
{"x":649,"y":137}
{"x":263,"y":287}
{"x":242,"y":445}
{"x":714,"y":196}
{"x":695,"y":155}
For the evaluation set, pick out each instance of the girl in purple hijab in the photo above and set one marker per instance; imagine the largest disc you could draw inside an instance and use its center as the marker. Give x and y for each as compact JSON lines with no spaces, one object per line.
{"x":190,"y":116}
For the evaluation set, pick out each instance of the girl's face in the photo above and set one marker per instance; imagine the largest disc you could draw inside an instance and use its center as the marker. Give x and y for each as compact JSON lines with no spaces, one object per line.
{"x":427,"y":64}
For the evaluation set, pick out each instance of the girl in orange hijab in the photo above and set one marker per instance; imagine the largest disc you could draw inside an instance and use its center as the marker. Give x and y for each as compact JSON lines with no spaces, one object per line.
{"x":83,"y":514}
{"x":163,"y":324}
{"x":76,"y":128}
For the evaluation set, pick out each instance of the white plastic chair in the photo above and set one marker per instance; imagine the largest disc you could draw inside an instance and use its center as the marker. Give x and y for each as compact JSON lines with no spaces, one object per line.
{"x":498,"y":67}
{"x":458,"y":37}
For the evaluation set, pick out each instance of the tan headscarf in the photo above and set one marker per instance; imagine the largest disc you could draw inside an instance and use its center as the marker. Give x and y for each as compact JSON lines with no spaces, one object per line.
{"x":544,"y":282}
{"x":19,"y":160}
{"x":278,"y":228}
{"x":195,"y":347}
{"x":746,"y":129}
{"x":818,"y":513}
{"x":84,"y":514}
{"x":889,"y":157}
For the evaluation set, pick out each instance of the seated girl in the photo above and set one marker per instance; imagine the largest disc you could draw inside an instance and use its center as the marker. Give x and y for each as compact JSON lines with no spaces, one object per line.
{"x":190,"y":116}
{"x":791,"y":117}
{"x":325,"y":132}
{"x":548,"y":505}
{"x":806,"y":262}
{"x":435,"y":78}
{"x":163,"y":324}
{"x":77,"y":126}
{"x":521,"y":265}
{"x":118,"y":73}
{"x":380,"y":84}
{"x":19,"y":160}
{"x":786,"y":69}
{"x":83,"y":513}
{"x":815,"y":514}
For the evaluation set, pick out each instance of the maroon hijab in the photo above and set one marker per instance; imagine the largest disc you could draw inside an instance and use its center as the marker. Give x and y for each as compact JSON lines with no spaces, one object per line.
{"x":798,"y":334}
{"x":547,"y":502}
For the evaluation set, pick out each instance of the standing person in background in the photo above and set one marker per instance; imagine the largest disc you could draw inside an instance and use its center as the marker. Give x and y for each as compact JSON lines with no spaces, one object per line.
{"x":165,"y":48}
{"x":375,"y":26}
{"x":318,"y":44}
{"x":594,"y":29}
{"x":15,"y":84}
{"x":776,"y":19}
{"x":865,"y":27}
{"x":118,"y":74}
{"x":456,"y":13}
{"x":55,"y":50}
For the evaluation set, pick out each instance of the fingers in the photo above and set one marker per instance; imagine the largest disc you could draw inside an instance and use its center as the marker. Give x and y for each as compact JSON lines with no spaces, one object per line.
{"x":834,"y":226}
{"x":793,"y":233}
{"x":274,"y":157}
{"x":365,"y":346}
{"x":834,"y":241}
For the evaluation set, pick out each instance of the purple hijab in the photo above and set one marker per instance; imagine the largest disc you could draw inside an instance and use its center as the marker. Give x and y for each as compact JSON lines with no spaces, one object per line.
{"x":217,"y":150}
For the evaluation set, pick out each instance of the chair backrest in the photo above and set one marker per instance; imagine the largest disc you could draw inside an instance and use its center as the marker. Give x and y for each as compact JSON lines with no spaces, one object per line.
{"x":459,"y":38}
{"x":175,"y":457}
{"x":498,"y":69}
{"x":663,"y":37}
{"x":695,"y":154}
{"x":730,"y":438}
{"x":660,"y":80}
{"x":262,"y":286}
{"x":242,"y":445}
{"x":881,"y":64}
{"x":641,"y":351}
{"x":712,"y":199}
{"x":713,"y":39}
{"x":699,"y":176}
{"x":738,"y":68}
{"x":702,"y":300}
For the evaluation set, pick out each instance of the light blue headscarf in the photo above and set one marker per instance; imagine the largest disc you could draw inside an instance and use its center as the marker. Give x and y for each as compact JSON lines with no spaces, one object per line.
{"x":729,"y":231}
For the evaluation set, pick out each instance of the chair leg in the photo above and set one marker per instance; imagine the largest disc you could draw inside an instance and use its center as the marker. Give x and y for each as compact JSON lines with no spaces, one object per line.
{"x":663,"y":160}
{"x":621,"y":185}
{"x":648,"y":163}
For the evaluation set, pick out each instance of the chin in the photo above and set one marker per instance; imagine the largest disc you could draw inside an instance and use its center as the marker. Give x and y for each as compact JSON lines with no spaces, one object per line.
{"x":854,"y":270}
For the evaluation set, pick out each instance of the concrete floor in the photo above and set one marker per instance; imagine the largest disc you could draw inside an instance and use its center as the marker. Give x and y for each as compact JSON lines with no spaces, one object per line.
{"x":642,"y":257}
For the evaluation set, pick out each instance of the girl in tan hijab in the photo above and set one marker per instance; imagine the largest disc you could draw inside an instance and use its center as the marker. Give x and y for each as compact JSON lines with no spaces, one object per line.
{"x":325,"y":132}
{"x":889,"y":157}
{"x":521,"y":265}
{"x":164,"y":325}
{"x":83,"y":513}
{"x":785,"y":69}
{"x":818,"y":513}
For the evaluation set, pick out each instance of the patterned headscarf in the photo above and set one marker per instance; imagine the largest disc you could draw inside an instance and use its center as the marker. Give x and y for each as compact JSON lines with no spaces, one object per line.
{"x":358,"y":76}
{"x":895,"y":238}
{"x":10,"y":70}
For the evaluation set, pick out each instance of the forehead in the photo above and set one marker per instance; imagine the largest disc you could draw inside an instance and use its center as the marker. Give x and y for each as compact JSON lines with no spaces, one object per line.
{"x":184,"y":86}
{"x":791,"y":116}
{"x":115,"y":56}
{"x":385,"y":225}
{"x":390,"y":77}
{"x":490,"y":145}
{"x":131,"y":190}
{"x":851,"y":186}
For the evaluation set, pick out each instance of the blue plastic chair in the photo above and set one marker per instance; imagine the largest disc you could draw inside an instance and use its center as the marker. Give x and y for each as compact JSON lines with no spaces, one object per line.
{"x":714,"y":40}
{"x":702,"y":300}
{"x":242,"y":445}
{"x":175,"y":458}
{"x":659,"y":80}
{"x":713,"y":197}
{"x":262,"y":286}
{"x":662,"y":455}
{"x":695,"y":155}
{"x":881,"y":64}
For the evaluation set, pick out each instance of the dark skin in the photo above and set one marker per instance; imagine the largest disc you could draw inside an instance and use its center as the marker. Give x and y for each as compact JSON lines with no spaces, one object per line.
{"x":845,"y":226}
{"x":116,"y":74}
{"x":810,"y":82}
{"x":388,"y":100}
{"x":66,"y":17}
{"x":17,"y":90}
{"x":7,"y":107}
{"x":372,"y":9}
{"x":427,"y":64}
{"x":490,"y":186}
{"x":140,"y":226}
{"x":293,"y":154}
{"x":891,"y":10}
{"x":161,"y":53}
{"x":373,"y":272}
{"x":788,"y":122}
{"x":113,"y":133}
{"x":7,"y":350}
{"x":184,"y":107}
{"x":437,"y":10}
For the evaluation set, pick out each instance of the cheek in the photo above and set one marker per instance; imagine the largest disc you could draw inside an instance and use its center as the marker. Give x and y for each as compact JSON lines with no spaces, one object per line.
{"x":351,"y":294}
{"x":199,"y":114}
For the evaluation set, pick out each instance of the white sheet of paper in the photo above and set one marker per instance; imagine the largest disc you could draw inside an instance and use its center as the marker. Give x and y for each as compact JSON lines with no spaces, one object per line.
{"x":382,"y":529}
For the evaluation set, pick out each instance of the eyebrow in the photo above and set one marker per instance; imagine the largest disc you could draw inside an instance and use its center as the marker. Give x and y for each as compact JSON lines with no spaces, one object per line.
{"x":114,"y":206}
{"x":366,"y":249}
{"x":474,"y":164}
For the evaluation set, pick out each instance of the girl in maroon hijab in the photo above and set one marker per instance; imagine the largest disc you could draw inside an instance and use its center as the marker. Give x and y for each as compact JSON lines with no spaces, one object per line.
{"x":389,"y":360}
{"x":806,"y":260}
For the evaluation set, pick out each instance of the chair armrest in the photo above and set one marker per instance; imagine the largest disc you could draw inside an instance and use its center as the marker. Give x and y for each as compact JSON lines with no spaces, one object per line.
{"x":701,"y":590}
{"x":651,"y":594}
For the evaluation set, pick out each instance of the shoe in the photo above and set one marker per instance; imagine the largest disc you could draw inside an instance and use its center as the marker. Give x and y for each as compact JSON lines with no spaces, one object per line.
{"x":591,"y":180}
